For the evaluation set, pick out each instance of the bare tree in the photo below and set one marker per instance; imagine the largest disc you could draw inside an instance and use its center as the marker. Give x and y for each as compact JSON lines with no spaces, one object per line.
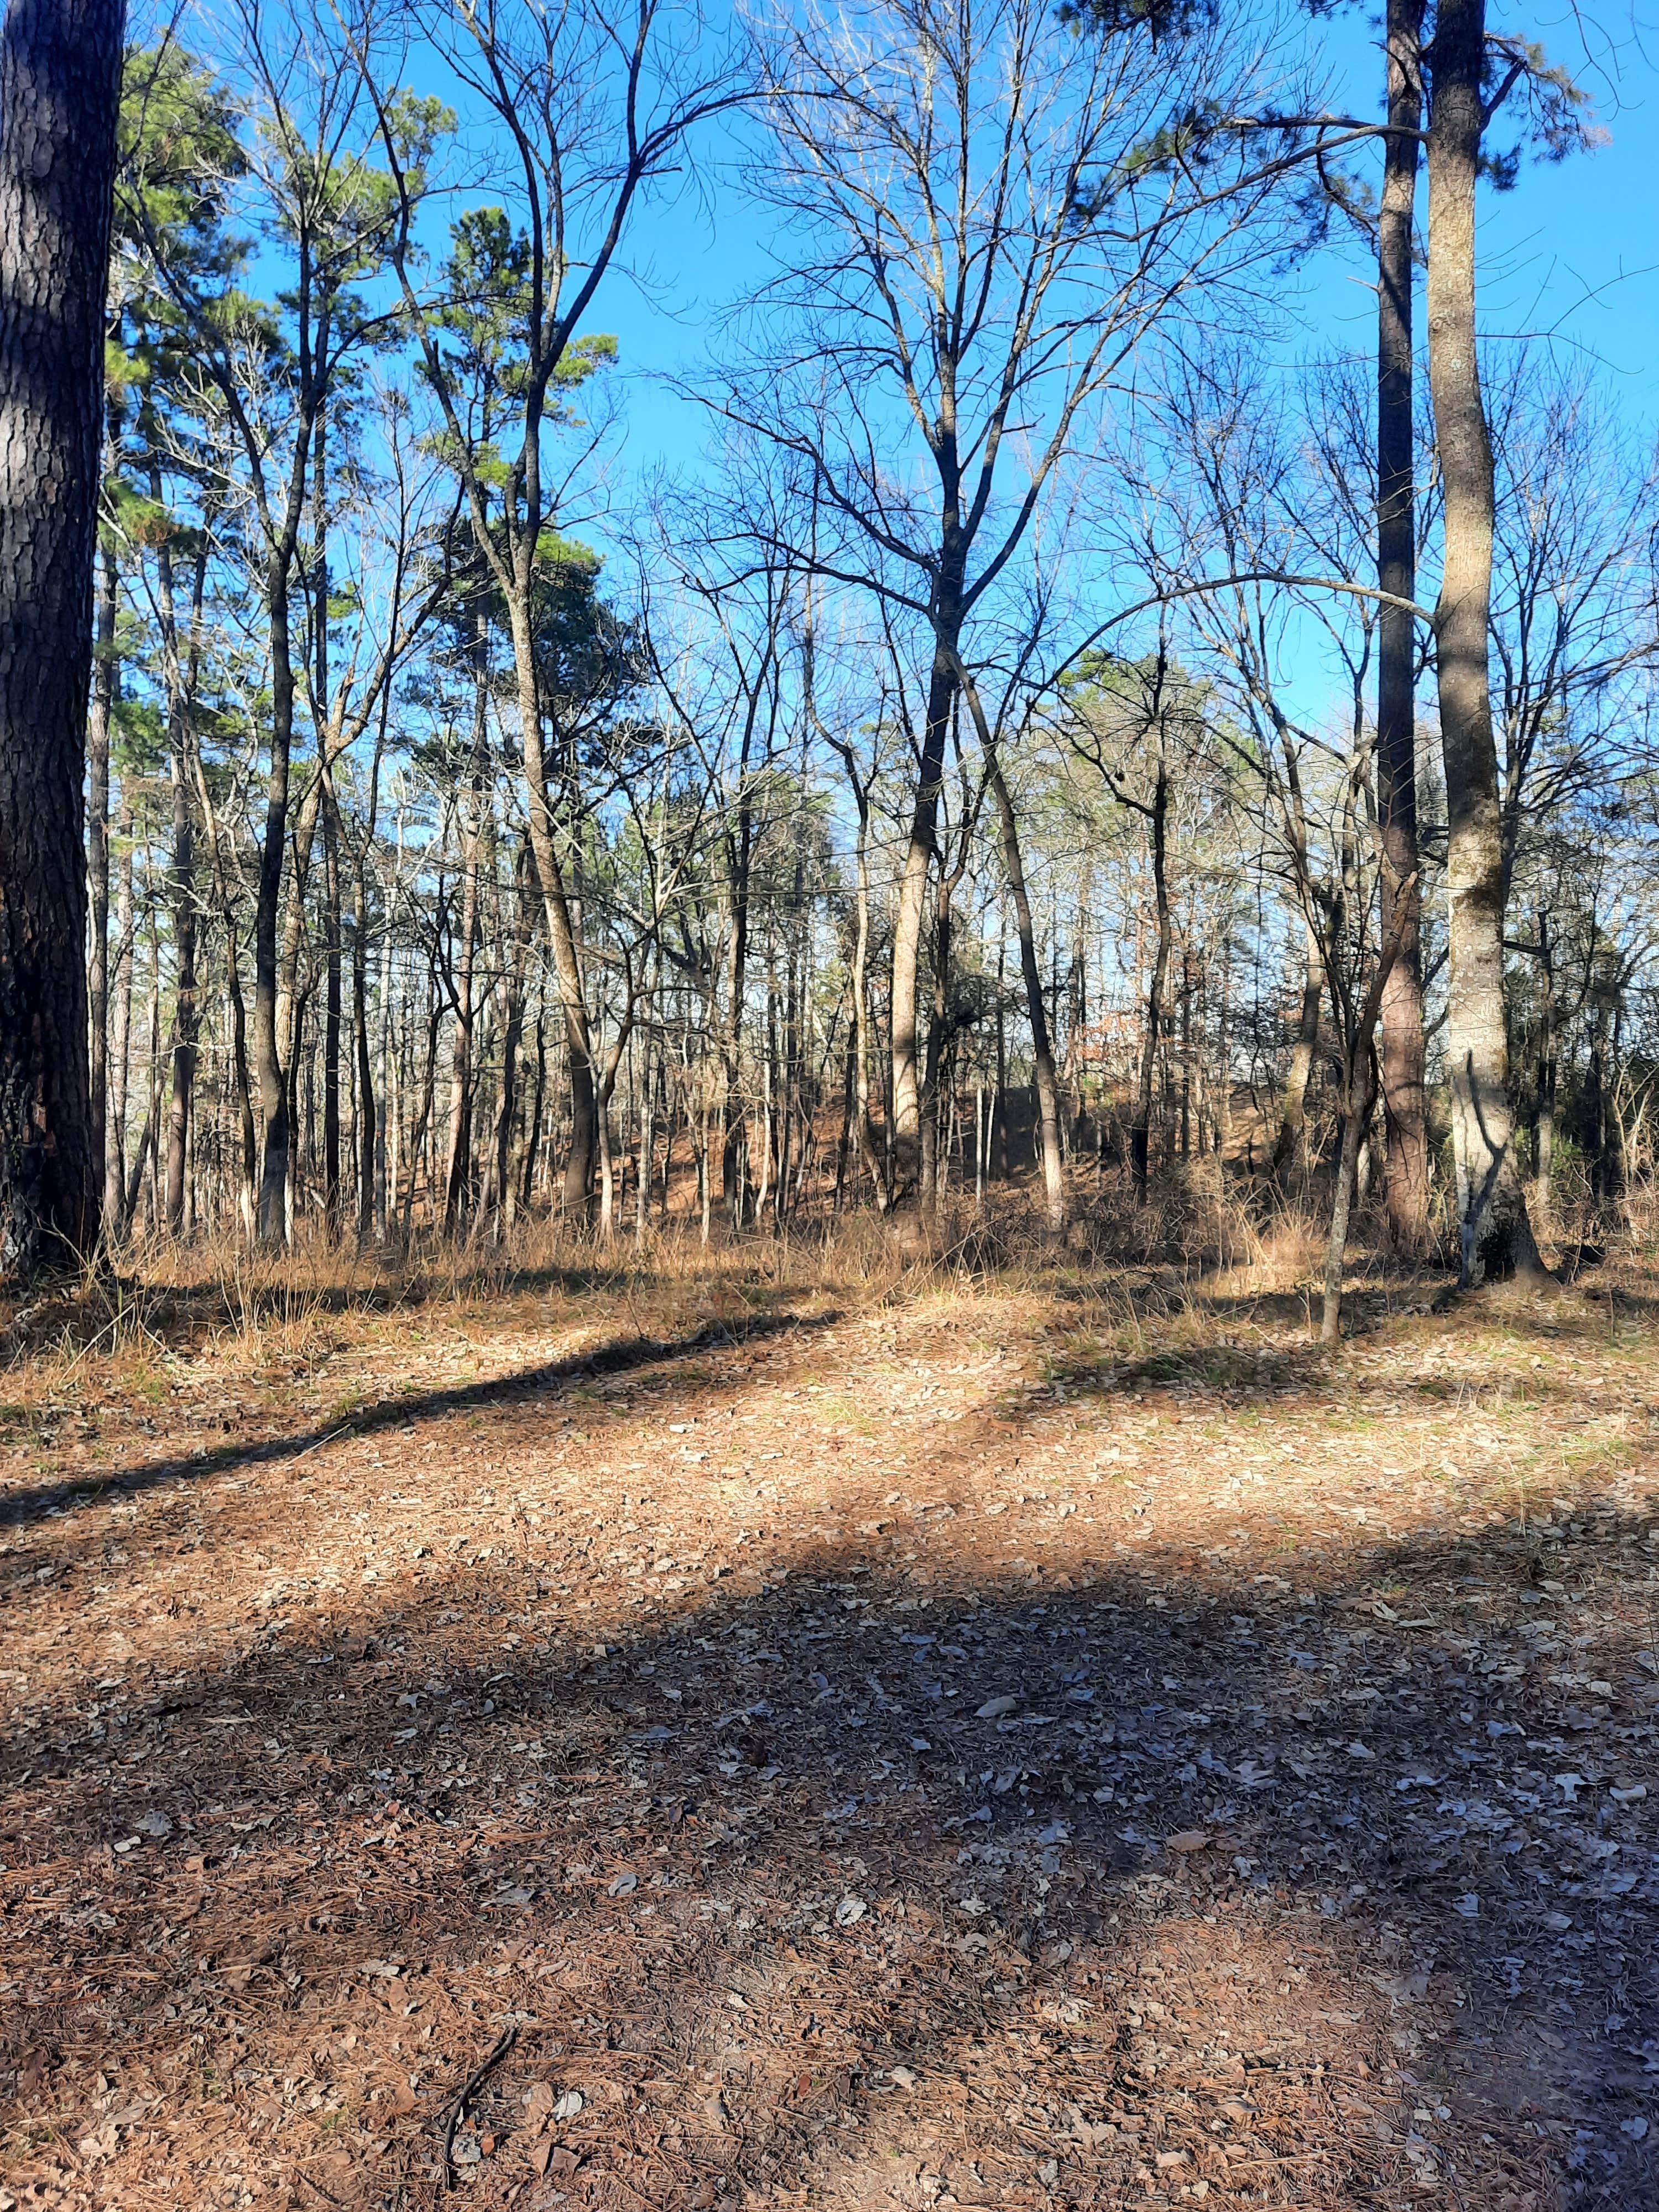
{"x":979,"y":239}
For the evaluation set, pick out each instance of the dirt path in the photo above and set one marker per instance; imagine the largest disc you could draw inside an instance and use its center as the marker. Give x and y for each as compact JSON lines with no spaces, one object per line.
{"x":980,"y":1748}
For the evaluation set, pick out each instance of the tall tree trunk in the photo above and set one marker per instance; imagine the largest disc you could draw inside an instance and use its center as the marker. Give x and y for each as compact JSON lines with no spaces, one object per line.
{"x":1000,"y":1094}
{"x":181,"y":664}
{"x":1141,"y":1135}
{"x":186,"y":1012}
{"x":273,"y":1212}
{"x":1358,"y":1101}
{"x":60,"y":69}
{"x":907,"y":923}
{"x":1547,"y":1074}
{"x":371,"y":1124}
{"x":1403,"y":1051}
{"x":1290,"y":1146}
{"x":561,"y":925}
{"x":1359,"y":1086}
{"x":934,"y":1056}
{"x":368,"y":1128}
{"x":247,"y":1128}
{"x":120,"y":1052}
{"x":1495,"y":1236}
{"x":501,"y":1196}
{"x":860,"y":1045}
{"x":458,"y":1161}
{"x":1047,"y":1087}
{"x":386,"y":1121}
{"x":533,"y":1115}
{"x":106,"y":684}
{"x":739,"y":851}
{"x":333,"y":1007}
{"x":290,"y":998}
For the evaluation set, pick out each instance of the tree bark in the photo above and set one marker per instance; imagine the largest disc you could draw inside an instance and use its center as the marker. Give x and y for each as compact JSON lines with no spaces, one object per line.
{"x":503,"y":1195}
{"x":1547,"y":1076}
{"x":182,"y":666}
{"x":1141,"y":1135}
{"x":333,"y":1007}
{"x":115,"y":1127}
{"x":457,"y":1159}
{"x":1042,"y":1054}
{"x":60,"y":70}
{"x":368,"y":1124}
{"x":101,"y":722}
{"x":1291,"y":1146}
{"x":1403,"y":1052}
{"x":186,"y":1012}
{"x":1495,"y":1236}
{"x":561,"y":927}
{"x":907,"y":927}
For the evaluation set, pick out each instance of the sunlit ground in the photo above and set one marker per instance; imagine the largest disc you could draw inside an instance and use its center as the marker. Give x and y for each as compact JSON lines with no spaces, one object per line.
{"x":831,"y":1739}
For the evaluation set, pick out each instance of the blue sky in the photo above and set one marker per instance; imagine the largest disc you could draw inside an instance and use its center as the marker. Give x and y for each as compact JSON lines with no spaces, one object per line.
{"x":1572,"y":250}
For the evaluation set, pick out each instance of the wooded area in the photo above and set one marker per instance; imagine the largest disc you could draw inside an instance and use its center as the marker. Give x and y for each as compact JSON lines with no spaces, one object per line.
{"x":1044,"y":733}
{"x":827,"y":1172}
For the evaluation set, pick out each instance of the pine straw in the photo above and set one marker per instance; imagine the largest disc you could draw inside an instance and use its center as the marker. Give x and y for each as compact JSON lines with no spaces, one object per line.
{"x":339,"y":1742}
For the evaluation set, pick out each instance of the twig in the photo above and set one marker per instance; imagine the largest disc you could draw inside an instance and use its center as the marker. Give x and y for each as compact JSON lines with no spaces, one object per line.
{"x":508,"y":2037}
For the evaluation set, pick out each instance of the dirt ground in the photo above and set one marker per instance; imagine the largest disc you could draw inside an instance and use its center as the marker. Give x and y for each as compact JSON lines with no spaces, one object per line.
{"x":746,"y":1735}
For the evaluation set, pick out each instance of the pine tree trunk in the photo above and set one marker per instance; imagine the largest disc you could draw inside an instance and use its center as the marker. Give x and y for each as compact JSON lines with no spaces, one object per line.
{"x":180,"y":667}
{"x":186,"y":1015}
{"x":560,"y":925}
{"x":60,"y":67}
{"x":457,"y":1155}
{"x":120,"y":1042}
{"x":1494,"y":1233}
{"x":101,"y":722}
{"x":369,"y":1134}
{"x":1048,"y":1088}
{"x":1403,"y":1052}
{"x":333,"y":1008}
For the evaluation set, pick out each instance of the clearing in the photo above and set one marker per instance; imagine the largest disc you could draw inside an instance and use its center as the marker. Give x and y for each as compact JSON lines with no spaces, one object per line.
{"x":765,"y":1730}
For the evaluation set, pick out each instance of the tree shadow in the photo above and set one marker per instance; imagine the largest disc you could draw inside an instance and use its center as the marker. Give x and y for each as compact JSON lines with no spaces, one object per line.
{"x":628,"y":1355}
{"x":841,"y":1890}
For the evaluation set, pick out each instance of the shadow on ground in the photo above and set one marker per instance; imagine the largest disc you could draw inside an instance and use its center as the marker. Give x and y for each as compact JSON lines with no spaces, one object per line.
{"x":521,"y":1385}
{"x":841,"y":1889}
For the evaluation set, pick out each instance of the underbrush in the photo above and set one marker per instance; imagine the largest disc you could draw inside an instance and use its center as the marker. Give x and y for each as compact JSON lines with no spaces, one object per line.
{"x":1184,"y":1286}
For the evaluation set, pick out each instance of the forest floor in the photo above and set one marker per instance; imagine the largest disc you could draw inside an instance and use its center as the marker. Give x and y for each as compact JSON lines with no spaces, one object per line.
{"x":760,"y":1732}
